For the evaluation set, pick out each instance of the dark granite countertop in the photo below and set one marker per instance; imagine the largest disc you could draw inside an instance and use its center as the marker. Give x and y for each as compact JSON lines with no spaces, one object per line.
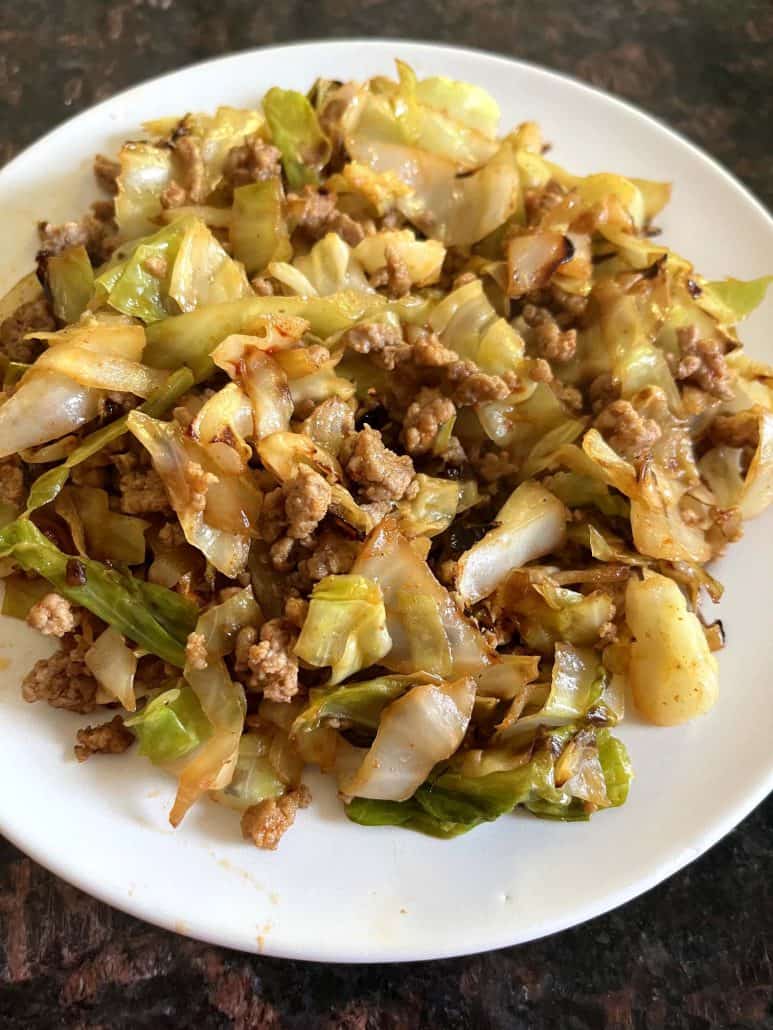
{"x":692,"y":953}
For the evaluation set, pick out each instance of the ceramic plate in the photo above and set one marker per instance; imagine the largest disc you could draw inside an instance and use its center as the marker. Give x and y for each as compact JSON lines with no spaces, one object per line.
{"x":336,"y":891}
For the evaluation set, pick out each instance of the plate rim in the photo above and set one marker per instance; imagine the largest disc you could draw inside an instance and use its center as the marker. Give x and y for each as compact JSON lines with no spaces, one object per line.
{"x":712,"y":834}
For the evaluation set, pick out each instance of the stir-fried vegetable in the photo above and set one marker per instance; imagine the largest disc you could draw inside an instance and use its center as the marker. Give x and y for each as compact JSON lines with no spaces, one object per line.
{"x":409,"y":447}
{"x":156,"y":619}
{"x":346,"y":626}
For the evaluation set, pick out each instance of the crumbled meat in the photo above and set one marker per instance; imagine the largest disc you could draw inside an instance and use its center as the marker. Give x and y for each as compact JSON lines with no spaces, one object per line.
{"x":109,"y":738}
{"x":333,"y":555}
{"x":727,"y":528}
{"x":173,"y":195}
{"x":626,"y":431}
{"x":252,"y":161}
{"x":383,"y":342}
{"x":307,"y":499}
{"x":12,"y":489}
{"x":196,"y":651}
{"x":423,"y":420}
{"x":549,"y":340}
{"x":272,"y":665}
{"x":571,"y":305}
{"x":266,"y":823}
{"x":188,"y":150}
{"x":395,"y":275}
{"x":35,"y":314}
{"x":282,"y":554}
{"x":262,"y":285}
{"x":495,"y":465}
{"x":429,"y":352}
{"x":380,"y":474}
{"x":471,"y":386}
{"x":333,"y":415}
{"x":142,"y":490}
{"x":106,"y":172}
{"x":171,"y":535}
{"x":96,"y":231}
{"x":738,"y":430}
{"x":540,"y":371}
{"x":703,"y":363}
{"x":454,"y":454}
{"x":568,"y":395}
{"x":602,"y":391}
{"x":52,"y":615}
{"x":296,"y":610}
{"x":315,"y":214}
{"x":272,"y":515}
{"x":63,"y":680}
{"x":198,"y":482}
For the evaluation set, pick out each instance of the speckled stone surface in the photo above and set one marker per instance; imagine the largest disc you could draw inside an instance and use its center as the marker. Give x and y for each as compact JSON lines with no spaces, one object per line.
{"x":691,"y":954}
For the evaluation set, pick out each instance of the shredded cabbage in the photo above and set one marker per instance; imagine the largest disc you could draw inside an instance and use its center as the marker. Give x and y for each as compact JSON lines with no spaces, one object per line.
{"x":533,"y":426}
{"x":345,"y":628}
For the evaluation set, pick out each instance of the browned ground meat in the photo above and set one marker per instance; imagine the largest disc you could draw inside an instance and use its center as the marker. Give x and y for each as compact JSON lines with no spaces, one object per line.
{"x":631,"y":435}
{"x":383,"y":342}
{"x":52,"y":616}
{"x":199,"y":483}
{"x":429,"y":352}
{"x":394,"y":275}
{"x":568,"y":395}
{"x":252,"y":161}
{"x":602,"y":391}
{"x":332,"y":556}
{"x":296,"y":610}
{"x":196,"y":651}
{"x":188,"y":150}
{"x":106,"y":172}
{"x":423,"y":420}
{"x":494,"y":465}
{"x":63,"y":680}
{"x":703,"y":362}
{"x":272,"y":515}
{"x":265,"y":824}
{"x":380,"y":474}
{"x":540,"y":371}
{"x":272,"y":665}
{"x":549,"y":340}
{"x":141,"y":488}
{"x":307,"y":499}
{"x":174,"y":195}
{"x":470,"y":386}
{"x":96,"y":232}
{"x":262,"y":285}
{"x":35,"y":314}
{"x":315,"y":214}
{"x":12,"y":488}
{"x":109,"y":738}
{"x":738,"y":430}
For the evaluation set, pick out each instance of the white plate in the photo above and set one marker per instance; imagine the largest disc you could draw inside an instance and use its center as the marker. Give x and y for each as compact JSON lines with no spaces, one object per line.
{"x":336,"y":891}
